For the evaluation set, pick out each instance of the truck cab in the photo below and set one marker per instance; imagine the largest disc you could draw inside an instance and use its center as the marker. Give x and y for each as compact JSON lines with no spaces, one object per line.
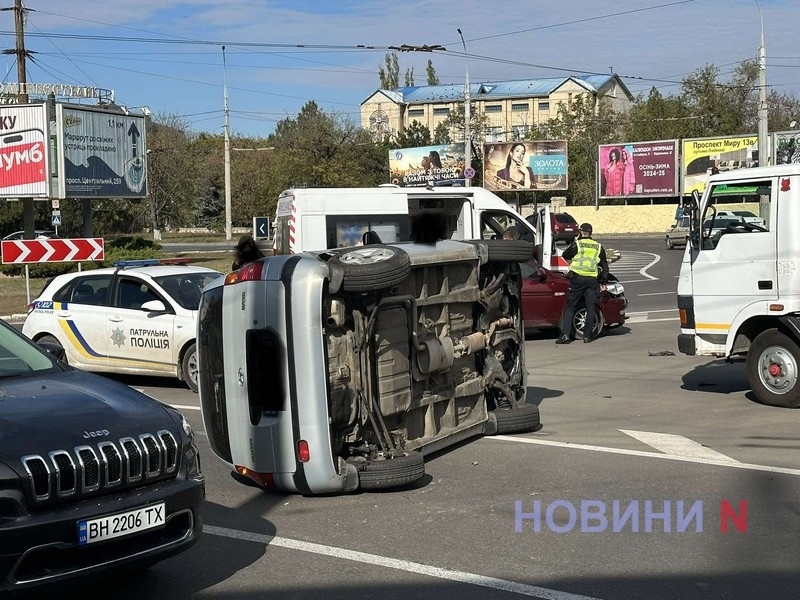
{"x":739,"y":285}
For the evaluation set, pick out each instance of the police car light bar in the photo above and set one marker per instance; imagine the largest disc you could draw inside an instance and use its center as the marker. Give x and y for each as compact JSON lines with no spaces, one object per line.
{"x":149,"y":262}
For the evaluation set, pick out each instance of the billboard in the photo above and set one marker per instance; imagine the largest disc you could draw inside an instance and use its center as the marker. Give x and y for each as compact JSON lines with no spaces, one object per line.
{"x":24,"y":151}
{"x":786,"y":147}
{"x":700,"y":156}
{"x":427,"y":165}
{"x":638,"y":169}
{"x":102,"y":153}
{"x":529,"y":165}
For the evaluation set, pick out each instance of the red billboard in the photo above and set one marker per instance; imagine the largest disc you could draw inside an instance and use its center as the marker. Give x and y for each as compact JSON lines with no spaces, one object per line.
{"x":638,"y":169}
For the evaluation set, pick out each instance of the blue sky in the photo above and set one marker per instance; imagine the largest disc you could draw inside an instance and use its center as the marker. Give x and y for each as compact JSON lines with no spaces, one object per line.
{"x":166,"y":54}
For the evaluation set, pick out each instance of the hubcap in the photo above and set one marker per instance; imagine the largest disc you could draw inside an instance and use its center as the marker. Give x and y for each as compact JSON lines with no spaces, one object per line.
{"x":778,"y":370}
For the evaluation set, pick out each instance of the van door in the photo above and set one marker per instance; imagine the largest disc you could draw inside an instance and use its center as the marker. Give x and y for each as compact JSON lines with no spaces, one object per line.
{"x":734,"y":267}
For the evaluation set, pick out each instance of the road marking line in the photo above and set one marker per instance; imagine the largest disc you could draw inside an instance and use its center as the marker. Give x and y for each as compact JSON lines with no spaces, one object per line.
{"x":641,"y":453}
{"x":657,"y":294}
{"x":677,"y":445}
{"x":394,"y":563}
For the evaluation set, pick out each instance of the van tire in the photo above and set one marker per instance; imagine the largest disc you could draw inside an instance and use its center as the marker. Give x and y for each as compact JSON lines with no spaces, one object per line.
{"x":371,"y":268}
{"x":773,"y":346}
{"x":520,"y":419}
{"x":516,"y":251}
{"x":375,"y":474}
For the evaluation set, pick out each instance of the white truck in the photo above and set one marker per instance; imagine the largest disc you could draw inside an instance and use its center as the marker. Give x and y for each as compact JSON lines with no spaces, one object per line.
{"x":315,"y":219}
{"x":739,"y":289}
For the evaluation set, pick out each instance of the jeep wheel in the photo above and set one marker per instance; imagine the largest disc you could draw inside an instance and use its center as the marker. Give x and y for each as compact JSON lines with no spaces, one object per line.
{"x":371,"y":268}
{"x":382,"y":473}
{"x":520,"y":419}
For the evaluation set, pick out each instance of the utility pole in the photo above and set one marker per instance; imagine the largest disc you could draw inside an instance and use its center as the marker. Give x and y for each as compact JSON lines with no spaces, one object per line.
{"x":467,"y":133}
{"x":228,"y":221}
{"x":763,"y":111}
{"x":21,"y":54}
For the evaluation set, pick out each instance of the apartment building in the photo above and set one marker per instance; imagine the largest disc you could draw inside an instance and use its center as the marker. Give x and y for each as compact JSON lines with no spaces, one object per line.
{"x":511,"y":108}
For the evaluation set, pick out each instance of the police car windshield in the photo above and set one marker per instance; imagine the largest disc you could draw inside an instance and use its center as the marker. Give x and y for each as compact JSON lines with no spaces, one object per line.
{"x":186,"y":289}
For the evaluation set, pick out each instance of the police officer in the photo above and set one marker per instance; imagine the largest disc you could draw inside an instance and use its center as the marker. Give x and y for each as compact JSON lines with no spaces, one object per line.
{"x":588,"y":263}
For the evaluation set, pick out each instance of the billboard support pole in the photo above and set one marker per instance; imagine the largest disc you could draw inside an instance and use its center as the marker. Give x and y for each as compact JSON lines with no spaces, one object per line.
{"x":467,"y":133}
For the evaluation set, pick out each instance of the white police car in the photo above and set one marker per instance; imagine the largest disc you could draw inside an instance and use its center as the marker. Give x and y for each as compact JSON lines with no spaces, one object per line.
{"x":138,"y":317}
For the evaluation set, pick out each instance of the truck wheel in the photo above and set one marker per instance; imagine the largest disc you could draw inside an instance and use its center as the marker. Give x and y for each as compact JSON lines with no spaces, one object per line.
{"x":520,"y":419}
{"x":189,"y":367}
{"x":374,"y":474}
{"x":773,"y":368}
{"x":518,"y":251}
{"x":579,"y":323}
{"x":371,"y":268}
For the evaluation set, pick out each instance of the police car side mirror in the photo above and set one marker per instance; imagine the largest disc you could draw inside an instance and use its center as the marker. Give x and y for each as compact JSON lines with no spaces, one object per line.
{"x":154,"y":306}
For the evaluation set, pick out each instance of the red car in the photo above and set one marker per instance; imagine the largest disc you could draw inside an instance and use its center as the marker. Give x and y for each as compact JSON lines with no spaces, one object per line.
{"x":544,"y":299}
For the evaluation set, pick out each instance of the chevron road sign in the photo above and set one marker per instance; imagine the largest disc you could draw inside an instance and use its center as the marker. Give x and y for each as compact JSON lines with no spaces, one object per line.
{"x":51,"y":250}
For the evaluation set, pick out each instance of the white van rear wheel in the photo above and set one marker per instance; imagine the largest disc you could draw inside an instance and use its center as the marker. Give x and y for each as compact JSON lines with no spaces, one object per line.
{"x":380,"y":473}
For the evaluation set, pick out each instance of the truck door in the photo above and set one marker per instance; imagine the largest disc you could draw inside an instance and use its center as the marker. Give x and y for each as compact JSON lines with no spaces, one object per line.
{"x":733,"y":268}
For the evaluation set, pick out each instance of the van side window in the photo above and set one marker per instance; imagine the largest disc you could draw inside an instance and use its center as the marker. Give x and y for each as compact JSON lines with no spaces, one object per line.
{"x":345,"y":231}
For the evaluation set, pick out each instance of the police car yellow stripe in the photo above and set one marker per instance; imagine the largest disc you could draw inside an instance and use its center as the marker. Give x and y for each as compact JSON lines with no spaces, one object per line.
{"x":80,"y":345}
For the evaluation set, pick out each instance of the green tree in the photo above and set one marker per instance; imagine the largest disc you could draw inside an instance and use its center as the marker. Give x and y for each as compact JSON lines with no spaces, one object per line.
{"x":408,"y":79}
{"x":585,"y":127}
{"x":390,"y":74}
{"x":441,"y":135}
{"x":433,"y":79}
{"x":413,"y":136}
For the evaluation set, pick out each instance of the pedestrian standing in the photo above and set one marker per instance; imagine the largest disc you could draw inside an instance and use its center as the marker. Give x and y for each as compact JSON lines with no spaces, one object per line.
{"x":588,"y":266}
{"x":246,"y":252}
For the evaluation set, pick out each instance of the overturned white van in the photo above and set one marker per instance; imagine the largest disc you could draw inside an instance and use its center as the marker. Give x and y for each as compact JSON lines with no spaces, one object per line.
{"x":331,"y":371}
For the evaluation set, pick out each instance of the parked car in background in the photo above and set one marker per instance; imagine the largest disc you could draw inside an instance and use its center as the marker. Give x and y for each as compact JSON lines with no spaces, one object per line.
{"x":742,"y":215}
{"x":544,"y":300}
{"x":678,"y":234}
{"x":40,"y":234}
{"x":563,"y":225}
{"x":139,"y":317}
{"x":94,"y":475}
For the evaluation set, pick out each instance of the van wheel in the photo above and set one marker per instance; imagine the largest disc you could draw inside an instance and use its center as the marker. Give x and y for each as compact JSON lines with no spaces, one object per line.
{"x":522,"y":418}
{"x":772,"y":369}
{"x":189,"y":368}
{"x":375,"y":474}
{"x":371,"y":268}
{"x":579,"y":323}
{"x":518,"y":251}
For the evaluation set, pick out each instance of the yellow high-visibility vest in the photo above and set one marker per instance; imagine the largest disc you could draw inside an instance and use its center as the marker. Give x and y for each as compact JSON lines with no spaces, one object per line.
{"x":587,"y":259}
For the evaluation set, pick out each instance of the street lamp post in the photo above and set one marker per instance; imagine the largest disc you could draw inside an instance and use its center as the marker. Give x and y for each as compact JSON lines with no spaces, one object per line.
{"x":467,"y":134}
{"x":763,"y":113}
{"x":228,"y":222}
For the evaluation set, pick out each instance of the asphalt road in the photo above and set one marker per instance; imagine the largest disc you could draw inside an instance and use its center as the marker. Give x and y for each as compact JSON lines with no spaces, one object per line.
{"x":704,"y":480}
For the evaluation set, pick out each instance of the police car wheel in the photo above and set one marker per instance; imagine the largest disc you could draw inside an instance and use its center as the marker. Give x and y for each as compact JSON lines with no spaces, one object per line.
{"x":189,"y":367}
{"x":371,"y":268}
{"x":374,"y":474}
{"x":521,"y":418}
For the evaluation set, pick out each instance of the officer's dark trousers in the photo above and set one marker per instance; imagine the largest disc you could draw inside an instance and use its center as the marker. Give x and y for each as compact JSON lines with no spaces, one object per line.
{"x":580,"y":288}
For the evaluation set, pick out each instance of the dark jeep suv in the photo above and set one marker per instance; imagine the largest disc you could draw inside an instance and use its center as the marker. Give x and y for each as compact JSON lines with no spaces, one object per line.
{"x":93,"y":474}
